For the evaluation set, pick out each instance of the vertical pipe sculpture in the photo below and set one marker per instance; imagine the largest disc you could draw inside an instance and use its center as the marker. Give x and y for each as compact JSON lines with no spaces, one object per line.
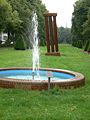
{"x":51,"y":34}
{"x":47,"y":34}
{"x":55,"y":34}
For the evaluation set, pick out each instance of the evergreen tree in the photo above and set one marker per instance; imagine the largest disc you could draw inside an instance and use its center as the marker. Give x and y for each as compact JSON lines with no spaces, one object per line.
{"x":20,"y":43}
{"x":86,"y":46}
{"x":79,"y":18}
{"x":64,"y":35}
{"x":86,"y":27}
{"x":88,"y":50}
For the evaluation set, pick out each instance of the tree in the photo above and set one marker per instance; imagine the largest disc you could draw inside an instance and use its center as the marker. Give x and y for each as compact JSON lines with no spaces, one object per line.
{"x":41,"y":9}
{"x":5,"y":14}
{"x":20,"y":43}
{"x":64,"y":35}
{"x":88,"y":50}
{"x":16,"y":17}
{"x":86,"y":27}
{"x":13,"y":25}
{"x":9,"y":19}
{"x":25,"y":9}
{"x":86,"y":46}
{"x":78,"y":19}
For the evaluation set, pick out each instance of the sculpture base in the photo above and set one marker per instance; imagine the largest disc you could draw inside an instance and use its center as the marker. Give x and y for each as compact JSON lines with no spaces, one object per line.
{"x":53,"y":53}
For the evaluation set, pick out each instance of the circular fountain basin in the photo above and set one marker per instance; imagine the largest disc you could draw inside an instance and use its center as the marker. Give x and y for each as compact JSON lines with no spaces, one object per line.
{"x":22,"y":78}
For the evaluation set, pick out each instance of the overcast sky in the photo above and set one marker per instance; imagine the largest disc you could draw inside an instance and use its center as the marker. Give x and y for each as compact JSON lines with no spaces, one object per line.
{"x":63,"y":8}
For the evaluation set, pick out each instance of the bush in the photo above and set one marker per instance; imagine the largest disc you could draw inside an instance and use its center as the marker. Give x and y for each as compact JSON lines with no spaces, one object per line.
{"x":86,"y":46}
{"x":4,"y":45}
{"x":0,"y":42}
{"x":88,"y":50}
{"x":79,"y":44}
{"x":20,"y":43}
{"x":7,"y":43}
{"x":74,"y":43}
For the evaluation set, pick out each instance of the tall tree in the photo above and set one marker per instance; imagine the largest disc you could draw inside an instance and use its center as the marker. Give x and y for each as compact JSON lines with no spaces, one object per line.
{"x":64,"y":35}
{"x":78,"y":19}
{"x":41,"y":9}
{"x":86,"y":27}
{"x":5,"y":14}
{"x":9,"y":19}
{"x":13,"y":25}
{"x":25,"y":9}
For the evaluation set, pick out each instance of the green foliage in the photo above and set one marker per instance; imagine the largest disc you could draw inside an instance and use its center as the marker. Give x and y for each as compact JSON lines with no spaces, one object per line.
{"x":88,"y":50}
{"x":0,"y":42}
{"x":14,"y":23}
{"x":9,"y":18}
{"x":86,"y":46}
{"x":86,"y":26}
{"x":5,"y":14}
{"x":25,"y":9}
{"x":7,"y":43}
{"x":78,"y":20}
{"x":64,"y":35}
{"x":40,"y":10}
{"x":79,"y":44}
{"x":16,"y":17}
{"x":75,"y":43}
{"x":20,"y":43}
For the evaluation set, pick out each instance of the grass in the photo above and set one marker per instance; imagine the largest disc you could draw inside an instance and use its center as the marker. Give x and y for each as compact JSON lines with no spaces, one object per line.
{"x":46,"y":105}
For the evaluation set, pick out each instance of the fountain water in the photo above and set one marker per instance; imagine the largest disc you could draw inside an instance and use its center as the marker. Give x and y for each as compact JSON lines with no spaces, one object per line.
{"x":35,"y":50}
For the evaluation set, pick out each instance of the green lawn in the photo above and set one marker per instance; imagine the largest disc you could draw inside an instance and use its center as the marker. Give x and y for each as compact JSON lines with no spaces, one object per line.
{"x":73,"y":104}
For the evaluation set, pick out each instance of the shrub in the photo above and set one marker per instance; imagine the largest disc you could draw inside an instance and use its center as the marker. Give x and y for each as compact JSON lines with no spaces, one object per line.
{"x":88,"y":50}
{"x":74,"y":43}
{"x":0,"y":42}
{"x":86,"y":46}
{"x":7,"y":43}
{"x":4,"y":45}
{"x":20,"y":43}
{"x":79,"y":44}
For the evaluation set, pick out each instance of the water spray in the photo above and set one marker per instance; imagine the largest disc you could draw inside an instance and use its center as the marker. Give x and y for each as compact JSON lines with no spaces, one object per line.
{"x":35,"y":50}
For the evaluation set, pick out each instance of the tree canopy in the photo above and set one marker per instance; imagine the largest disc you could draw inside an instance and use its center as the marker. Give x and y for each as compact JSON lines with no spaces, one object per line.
{"x":81,"y":21}
{"x":16,"y":17}
{"x":86,"y":26}
{"x":64,"y":35}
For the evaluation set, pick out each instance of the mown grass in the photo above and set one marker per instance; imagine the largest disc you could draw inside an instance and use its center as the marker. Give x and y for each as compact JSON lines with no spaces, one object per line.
{"x":54,"y":104}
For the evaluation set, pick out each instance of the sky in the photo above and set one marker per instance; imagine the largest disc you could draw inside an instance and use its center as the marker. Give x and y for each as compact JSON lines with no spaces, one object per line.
{"x":64,"y":10}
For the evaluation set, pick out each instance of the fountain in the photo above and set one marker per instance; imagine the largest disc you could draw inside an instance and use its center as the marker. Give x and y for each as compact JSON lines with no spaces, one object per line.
{"x":35,"y":51}
{"x":36,"y":78}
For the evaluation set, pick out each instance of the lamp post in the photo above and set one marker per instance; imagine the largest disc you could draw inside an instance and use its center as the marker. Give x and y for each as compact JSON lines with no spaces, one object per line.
{"x":49,"y":75}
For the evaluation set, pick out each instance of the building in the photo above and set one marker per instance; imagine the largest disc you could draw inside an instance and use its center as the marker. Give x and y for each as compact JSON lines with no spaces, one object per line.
{"x":3,"y":37}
